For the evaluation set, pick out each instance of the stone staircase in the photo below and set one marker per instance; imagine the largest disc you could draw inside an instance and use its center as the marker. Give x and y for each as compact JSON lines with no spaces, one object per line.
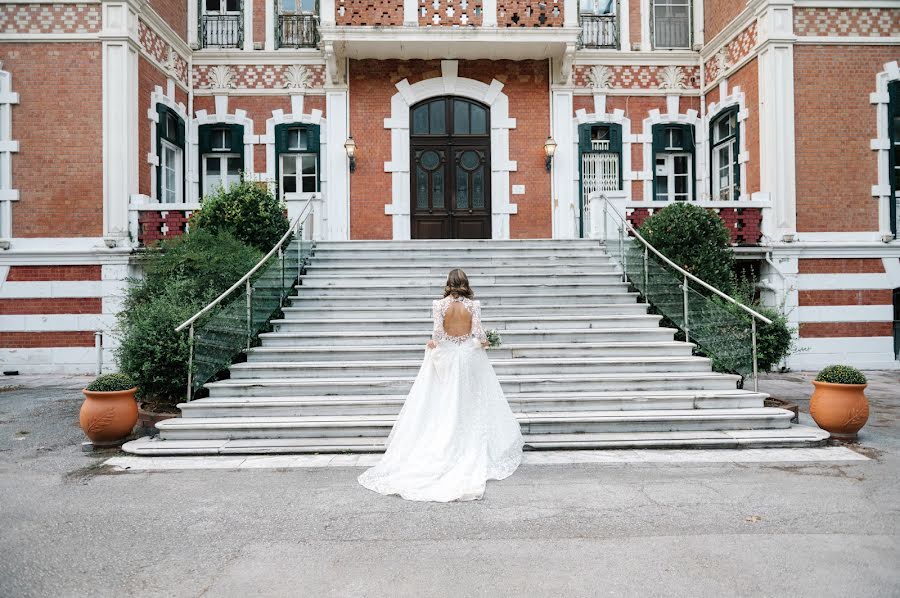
{"x":582,"y":363}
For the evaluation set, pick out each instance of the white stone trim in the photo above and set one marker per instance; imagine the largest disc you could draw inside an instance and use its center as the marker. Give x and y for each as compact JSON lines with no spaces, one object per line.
{"x":57,"y":322}
{"x":52,"y":289}
{"x":221,"y":115}
{"x":734,"y":97}
{"x":882,"y":144}
{"x":8,"y":147}
{"x":846,"y":313}
{"x":691,"y":117}
{"x":450,"y":84}
{"x":166,"y":99}
{"x":842,"y":282}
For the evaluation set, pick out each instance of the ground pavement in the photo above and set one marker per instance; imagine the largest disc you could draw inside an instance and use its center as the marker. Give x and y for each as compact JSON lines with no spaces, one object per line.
{"x":628,"y":523}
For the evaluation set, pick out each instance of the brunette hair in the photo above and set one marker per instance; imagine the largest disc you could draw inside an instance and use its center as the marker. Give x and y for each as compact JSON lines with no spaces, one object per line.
{"x":458,"y":285}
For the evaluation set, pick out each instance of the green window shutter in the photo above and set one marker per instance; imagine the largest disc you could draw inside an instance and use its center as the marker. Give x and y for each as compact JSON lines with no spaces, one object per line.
{"x":237,"y":142}
{"x":658,"y":133}
{"x":689,"y":143}
{"x":615,"y":139}
{"x":737,"y":151}
{"x":893,"y":158}
{"x":204,"y":139}
{"x":584,"y":138}
{"x":312,"y":138}
{"x":180,"y":141}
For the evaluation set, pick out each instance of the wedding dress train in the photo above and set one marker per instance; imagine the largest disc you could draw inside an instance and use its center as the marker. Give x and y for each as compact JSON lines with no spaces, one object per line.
{"x":455,"y":430}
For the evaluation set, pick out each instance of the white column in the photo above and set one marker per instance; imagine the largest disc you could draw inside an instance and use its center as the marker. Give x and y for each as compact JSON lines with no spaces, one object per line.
{"x":564,"y":189}
{"x":326,"y":16}
{"x":411,"y":13}
{"x":489,"y":13}
{"x":248,"y":24}
{"x":624,"y":25}
{"x":270,"y":24}
{"x":337,"y":199}
{"x":776,"y":120}
{"x":645,"y":25}
{"x":120,"y":116}
{"x":570,"y":13}
{"x":192,"y":24}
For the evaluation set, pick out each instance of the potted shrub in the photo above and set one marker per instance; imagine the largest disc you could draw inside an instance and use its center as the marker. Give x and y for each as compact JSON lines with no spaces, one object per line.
{"x":839,"y":405}
{"x":109,"y":411}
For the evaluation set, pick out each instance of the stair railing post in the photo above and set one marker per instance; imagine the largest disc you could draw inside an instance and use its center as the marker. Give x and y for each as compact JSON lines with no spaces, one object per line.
{"x":687,"y":325}
{"x":249,"y":293}
{"x":298,"y":236}
{"x":605,"y":220}
{"x":281,"y":289}
{"x":646,"y":271}
{"x":624,"y":257}
{"x":190,"y":381}
{"x":755,"y":364}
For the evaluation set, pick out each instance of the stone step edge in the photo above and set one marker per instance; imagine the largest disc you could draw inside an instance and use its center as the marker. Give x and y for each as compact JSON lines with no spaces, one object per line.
{"x":495,"y":362}
{"x":508,"y":347}
{"x":416,"y":333}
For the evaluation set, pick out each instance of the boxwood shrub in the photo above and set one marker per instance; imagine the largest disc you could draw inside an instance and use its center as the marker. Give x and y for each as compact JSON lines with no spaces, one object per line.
{"x":841,"y":374}
{"x":111,"y":383}
{"x":246,"y":210}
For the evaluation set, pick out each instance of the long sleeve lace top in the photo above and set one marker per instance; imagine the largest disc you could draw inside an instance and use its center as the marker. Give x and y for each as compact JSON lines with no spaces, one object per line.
{"x":439,"y":309}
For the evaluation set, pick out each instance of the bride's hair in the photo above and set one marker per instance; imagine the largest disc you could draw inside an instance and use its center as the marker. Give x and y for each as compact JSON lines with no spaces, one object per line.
{"x":458,"y":285}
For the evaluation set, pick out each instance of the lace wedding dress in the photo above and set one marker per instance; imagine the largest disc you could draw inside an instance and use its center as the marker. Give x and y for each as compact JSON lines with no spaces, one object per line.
{"x":455,"y":430}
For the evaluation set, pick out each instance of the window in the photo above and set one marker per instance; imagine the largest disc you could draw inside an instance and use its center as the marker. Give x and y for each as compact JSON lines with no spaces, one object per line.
{"x":221,"y":149}
{"x":170,"y":151}
{"x":671,"y":24}
{"x":297,"y":158}
{"x":221,"y":24}
{"x":222,"y":6}
{"x":597,"y":7}
{"x":296,"y":7}
{"x":894,"y":153}
{"x":600,"y":146}
{"x":725,"y":171}
{"x":673,"y":155}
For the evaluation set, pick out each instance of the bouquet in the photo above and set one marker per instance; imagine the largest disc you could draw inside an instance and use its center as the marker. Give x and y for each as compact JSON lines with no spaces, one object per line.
{"x":493,"y":338}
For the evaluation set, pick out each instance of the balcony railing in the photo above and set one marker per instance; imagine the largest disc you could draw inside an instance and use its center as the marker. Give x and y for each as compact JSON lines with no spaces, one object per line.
{"x":599,"y":31}
{"x":297,"y":31}
{"x":222,"y":31}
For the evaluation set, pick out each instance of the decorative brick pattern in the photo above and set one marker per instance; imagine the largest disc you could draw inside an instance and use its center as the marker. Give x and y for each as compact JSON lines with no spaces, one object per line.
{"x":156,"y":226}
{"x":845,"y":329}
{"x":156,"y":46}
{"x":636,"y":76}
{"x":847,"y":22}
{"x":842,"y":266}
{"x":47,"y":273}
{"x":450,"y":13}
{"x":68,"y":305}
{"x":50,"y":18}
{"x":530,"y":13}
{"x":33,"y":340}
{"x":733,"y":52}
{"x":369,"y":12}
{"x":744,"y":224}
{"x":845,"y":297}
{"x":259,"y":76}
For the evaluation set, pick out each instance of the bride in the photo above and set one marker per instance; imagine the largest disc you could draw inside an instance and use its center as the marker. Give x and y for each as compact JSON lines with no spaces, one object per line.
{"x":455,"y":430}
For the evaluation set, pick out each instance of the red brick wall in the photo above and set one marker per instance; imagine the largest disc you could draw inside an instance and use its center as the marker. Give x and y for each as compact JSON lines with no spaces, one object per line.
{"x":148,"y":78}
{"x":842,"y":266}
{"x":29,"y":340}
{"x":60,"y":183}
{"x":369,"y":12}
{"x":835,"y":166}
{"x":847,"y":297}
{"x":174,"y":13}
{"x":372,"y":84}
{"x":634,"y":24}
{"x":67,"y":305}
{"x":845,"y":329}
{"x":717,"y":14}
{"x":747,"y":78}
{"x":259,"y":23}
{"x":44,"y":273}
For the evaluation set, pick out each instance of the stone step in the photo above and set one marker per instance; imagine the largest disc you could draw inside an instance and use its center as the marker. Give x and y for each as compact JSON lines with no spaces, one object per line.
{"x":461,"y":253}
{"x":429,"y":269}
{"x":361,"y":338}
{"x":488,"y":300}
{"x":644,"y":381}
{"x":548,"y":422}
{"x":499,"y":322}
{"x":456,"y":244}
{"x":421,"y":309}
{"x":525,"y":403}
{"x":328,"y":279}
{"x":374,"y":261}
{"x":507,"y":367}
{"x":385,"y":290}
{"x":793,"y":437}
{"x":504,"y":351}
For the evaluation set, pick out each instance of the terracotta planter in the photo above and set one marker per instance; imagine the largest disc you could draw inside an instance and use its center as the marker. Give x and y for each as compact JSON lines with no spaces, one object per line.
{"x":841,"y":409}
{"x":108,"y":416}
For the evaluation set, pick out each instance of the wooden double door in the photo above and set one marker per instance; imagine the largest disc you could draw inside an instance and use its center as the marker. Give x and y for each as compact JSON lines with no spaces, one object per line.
{"x":450,"y":145}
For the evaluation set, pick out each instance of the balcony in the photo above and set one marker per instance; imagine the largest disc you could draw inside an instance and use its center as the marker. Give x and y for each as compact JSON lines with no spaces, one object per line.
{"x":221,"y":31}
{"x":599,"y":31}
{"x":297,"y":31}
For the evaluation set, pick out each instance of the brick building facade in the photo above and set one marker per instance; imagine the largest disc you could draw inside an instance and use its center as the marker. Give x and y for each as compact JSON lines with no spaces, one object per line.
{"x":117,"y":116}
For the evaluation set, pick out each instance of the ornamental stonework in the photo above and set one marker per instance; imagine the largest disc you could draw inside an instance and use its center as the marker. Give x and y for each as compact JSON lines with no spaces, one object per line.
{"x":530,"y":13}
{"x":847,"y":22}
{"x":259,"y":76}
{"x":741,"y":46}
{"x":163,"y":53}
{"x":369,"y":12}
{"x":450,"y":13}
{"x":50,"y":18}
{"x":608,"y":77}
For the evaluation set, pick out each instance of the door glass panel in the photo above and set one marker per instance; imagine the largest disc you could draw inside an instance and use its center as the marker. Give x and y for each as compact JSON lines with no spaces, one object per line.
{"x":437,"y":186}
{"x":478,"y":189}
{"x":420,"y":120}
{"x":212,"y":165}
{"x":234,"y":166}
{"x":309,"y":164}
{"x":462,"y":189}
{"x":421,"y":189}
{"x":478,"y":124}
{"x":429,"y":160}
{"x":290,"y":183}
{"x":469,"y":160}
{"x":436,"y":122}
{"x":460,"y":117}
{"x":290,"y":165}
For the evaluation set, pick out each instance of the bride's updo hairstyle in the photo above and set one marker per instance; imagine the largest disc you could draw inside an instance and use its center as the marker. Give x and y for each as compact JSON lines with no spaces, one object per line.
{"x":458,"y":284}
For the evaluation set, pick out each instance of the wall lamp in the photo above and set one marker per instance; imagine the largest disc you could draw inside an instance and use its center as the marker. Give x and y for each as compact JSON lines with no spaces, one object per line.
{"x":350,"y":148}
{"x":549,"y":150}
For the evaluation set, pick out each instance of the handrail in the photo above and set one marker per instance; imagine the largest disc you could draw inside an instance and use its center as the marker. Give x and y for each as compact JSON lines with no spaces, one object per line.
{"x":608,"y":206}
{"x":300,"y":217}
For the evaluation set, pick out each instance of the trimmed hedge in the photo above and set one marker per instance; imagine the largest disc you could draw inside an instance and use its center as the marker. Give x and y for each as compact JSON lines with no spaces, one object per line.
{"x":841,"y":374}
{"x":111,"y":383}
{"x":246,"y":210}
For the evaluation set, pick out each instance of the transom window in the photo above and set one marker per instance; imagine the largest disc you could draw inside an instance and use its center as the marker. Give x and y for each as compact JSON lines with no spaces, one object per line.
{"x":296,"y":7}
{"x":597,"y":7}
{"x":297,"y":139}
{"x":220,"y":140}
{"x":222,"y":6}
{"x":725,"y":171}
{"x":671,"y":23}
{"x":453,"y":116}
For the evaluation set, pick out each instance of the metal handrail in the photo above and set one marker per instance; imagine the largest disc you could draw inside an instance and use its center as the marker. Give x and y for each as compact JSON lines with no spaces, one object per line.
{"x":246,"y":277}
{"x":686,"y":276}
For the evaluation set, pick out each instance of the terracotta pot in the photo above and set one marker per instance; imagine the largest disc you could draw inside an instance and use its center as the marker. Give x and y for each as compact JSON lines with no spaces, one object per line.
{"x":108,"y":416}
{"x":841,"y":409}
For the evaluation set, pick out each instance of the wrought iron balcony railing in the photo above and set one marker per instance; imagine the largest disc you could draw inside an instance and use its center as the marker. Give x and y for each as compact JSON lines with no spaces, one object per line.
{"x":297,"y":31}
{"x":599,"y":31}
{"x":222,"y":31}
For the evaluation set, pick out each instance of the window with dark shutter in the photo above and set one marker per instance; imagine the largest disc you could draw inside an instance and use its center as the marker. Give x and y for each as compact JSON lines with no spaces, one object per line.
{"x":221,"y":150}
{"x":673,"y":159}
{"x":297,"y":161}
{"x":725,"y":172}
{"x":170,"y":152}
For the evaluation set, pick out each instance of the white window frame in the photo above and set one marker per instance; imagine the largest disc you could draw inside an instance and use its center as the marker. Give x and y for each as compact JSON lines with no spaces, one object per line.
{"x":654,"y":28}
{"x":299,"y":176}
{"x":178,"y":159}
{"x":223,"y":9}
{"x":226,"y":141}
{"x":297,"y":11}
{"x":731,"y":192}
{"x":668,"y":170}
{"x":223,"y":171}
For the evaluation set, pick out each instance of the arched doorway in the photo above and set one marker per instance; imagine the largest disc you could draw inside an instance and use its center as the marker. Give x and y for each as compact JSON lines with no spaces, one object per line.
{"x":450,"y":170}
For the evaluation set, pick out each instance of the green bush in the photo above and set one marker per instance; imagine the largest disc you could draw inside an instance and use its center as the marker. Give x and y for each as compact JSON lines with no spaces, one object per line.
{"x":111,"y":383}
{"x":694,"y":238}
{"x":841,"y":374}
{"x":247,"y":211}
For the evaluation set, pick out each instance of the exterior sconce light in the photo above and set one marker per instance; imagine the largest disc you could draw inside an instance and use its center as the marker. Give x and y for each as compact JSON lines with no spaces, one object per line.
{"x":549,"y":150}
{"x":350,"y":148}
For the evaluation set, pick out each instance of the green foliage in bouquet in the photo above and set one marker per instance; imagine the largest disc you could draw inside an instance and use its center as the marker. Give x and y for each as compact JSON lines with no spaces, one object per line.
{"x":494,"y":338}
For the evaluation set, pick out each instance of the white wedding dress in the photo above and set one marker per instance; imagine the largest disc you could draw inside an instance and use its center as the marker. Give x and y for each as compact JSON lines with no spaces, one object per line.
{"x":455,"y":430}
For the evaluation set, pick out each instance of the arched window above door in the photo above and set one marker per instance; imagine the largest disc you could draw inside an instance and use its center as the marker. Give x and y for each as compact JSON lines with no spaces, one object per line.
{"x":449,"y":116}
